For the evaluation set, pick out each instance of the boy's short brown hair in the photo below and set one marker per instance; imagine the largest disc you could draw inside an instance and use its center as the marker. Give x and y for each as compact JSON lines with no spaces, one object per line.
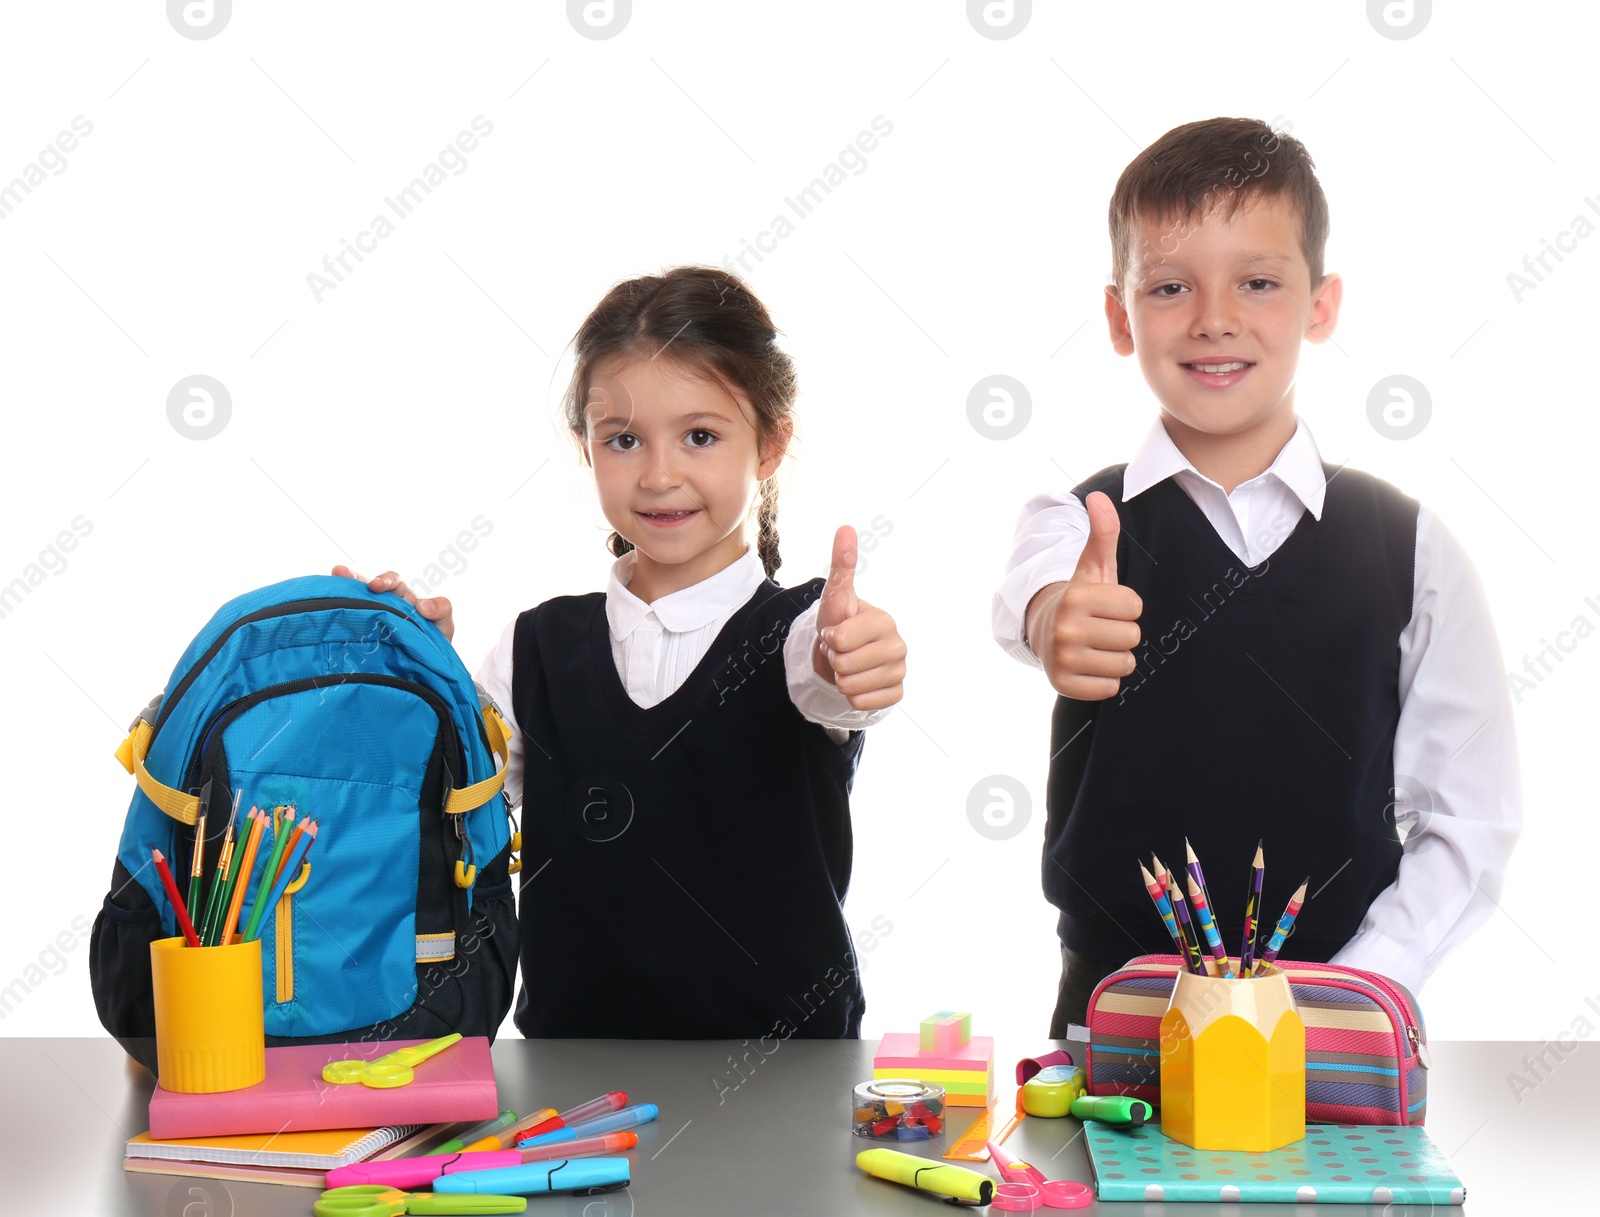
{"x":1216,"y":166}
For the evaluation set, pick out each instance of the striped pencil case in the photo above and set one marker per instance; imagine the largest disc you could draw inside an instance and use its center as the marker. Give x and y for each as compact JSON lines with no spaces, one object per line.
{"x":1366,"y":1045}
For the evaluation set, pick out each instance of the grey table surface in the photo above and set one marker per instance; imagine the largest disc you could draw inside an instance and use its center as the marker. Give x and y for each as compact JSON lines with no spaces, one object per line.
{"x":772,"y":1136}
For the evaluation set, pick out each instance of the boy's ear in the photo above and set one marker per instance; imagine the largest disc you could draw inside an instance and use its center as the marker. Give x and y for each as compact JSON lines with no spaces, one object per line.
{"x":773,"y":448}
{"x":1117,"y":319}
{"x":1325,"y":303}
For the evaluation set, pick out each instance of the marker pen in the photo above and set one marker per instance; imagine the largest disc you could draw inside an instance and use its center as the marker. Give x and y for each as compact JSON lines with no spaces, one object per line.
{"x":956,"y":1182}
{"x":407,"y":1173}
{"x":1111,"y":1109}
{"x":582,"y":1175}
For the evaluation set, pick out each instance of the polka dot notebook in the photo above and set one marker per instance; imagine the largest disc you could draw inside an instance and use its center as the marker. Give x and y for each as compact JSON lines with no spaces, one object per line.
{"x":1335,"y":1164}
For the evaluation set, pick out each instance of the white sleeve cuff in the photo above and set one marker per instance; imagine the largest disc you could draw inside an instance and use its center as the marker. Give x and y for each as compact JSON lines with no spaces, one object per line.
{"x":1018,"y":647}
{"x":1050,"y":536}
{"x":1375,"y":952}
{"x":817,"y":699}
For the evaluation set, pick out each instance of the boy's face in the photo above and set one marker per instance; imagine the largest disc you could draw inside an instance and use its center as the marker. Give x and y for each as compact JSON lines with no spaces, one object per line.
{"x":1204,"y":296}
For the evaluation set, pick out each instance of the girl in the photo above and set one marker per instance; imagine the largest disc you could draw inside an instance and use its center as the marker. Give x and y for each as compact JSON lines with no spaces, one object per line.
{"x":686,"y":740}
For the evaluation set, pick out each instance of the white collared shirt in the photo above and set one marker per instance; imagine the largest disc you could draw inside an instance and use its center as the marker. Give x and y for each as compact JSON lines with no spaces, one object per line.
{"x":657,"y":645}
{"x":1455,"y":742}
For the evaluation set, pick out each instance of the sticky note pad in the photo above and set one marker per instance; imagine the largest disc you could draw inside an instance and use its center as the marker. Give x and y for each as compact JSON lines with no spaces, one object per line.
{"x":945,"y":1031}
{"x":929,"y":1031}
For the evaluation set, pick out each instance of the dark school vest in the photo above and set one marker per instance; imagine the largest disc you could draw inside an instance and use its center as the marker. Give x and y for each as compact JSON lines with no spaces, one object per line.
{"x":1262,"y":708}
{"x":684,"y":866}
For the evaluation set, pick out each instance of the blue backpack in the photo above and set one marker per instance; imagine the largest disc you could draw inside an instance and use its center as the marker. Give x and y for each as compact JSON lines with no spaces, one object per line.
{"x":354,"y":710}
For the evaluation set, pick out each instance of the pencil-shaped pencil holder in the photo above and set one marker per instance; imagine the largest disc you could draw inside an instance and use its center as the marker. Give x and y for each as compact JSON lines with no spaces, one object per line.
{"x":1233,"y":1064}
{"x":209,"y":1033}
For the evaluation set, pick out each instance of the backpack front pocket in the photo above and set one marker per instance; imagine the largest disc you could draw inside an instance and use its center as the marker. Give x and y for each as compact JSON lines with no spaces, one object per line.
{"x":355,"y":757}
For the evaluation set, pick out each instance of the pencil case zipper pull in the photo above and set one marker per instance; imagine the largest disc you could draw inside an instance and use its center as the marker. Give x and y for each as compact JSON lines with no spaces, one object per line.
{"x":1418,"y":1047}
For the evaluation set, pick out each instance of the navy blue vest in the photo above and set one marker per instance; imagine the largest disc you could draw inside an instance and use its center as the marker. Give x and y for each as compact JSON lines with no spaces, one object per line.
{"x":1262,"y":708}
{"x":684,"y":866}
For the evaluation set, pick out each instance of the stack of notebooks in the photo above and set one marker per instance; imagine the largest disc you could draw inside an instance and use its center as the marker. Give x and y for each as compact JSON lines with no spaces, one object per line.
{"x":299,"y":1158}
{"x":293,"y":1127}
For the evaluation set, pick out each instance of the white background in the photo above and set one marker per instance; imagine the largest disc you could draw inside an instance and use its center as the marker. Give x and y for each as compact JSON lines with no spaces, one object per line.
{"x":373,"y":426}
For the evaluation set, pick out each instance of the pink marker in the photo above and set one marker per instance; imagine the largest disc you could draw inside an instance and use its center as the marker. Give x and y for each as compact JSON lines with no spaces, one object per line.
{"x":407,"y":1173}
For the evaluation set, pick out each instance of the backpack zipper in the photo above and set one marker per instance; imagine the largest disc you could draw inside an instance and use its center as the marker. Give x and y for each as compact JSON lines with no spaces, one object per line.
{"x":228,"y":713}
{"x":287,"y":609}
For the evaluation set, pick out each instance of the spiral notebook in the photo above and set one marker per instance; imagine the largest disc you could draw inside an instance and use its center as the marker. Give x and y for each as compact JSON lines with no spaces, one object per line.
{"x":1334,"y":1164}
{"x":294,"y":1176}
{"x":322,"y":1150}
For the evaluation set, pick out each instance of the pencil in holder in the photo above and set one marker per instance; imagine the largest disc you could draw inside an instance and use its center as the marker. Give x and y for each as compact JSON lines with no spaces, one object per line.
{"x":209,"y":1031}
{"x":1233,"y":1063}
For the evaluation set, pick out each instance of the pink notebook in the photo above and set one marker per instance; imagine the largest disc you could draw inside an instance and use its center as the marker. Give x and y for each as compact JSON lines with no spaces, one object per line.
{"x":455,"y":1086}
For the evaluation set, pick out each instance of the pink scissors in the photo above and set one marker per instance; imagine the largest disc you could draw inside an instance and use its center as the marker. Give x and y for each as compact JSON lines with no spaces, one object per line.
{"x":1025,"y":1187}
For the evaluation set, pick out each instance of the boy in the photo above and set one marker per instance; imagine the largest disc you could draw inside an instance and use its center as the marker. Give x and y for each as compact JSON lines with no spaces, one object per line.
{"x":1249,"y":644}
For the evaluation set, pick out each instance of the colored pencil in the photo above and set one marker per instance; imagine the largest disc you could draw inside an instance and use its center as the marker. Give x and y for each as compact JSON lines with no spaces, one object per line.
{"x":1198,"y":875}
{"x":171,"y":884}
{"x":294,"y":839}
{"x":507,"y":1138}
{"x":304,"y":859}
{"x":1158,"y":868}
{"x":1252,"y":910}
{"x":290,"y":868}
{"x":1208,"y":927}
{"x":280,"y":837}
{"x":1285,"y":924}
{"x":473,"y":1133}
{"x":1190,"y":935}
{"x":1163,"y":906}
{"x":230,"y":884}
{"x":242,"y":874}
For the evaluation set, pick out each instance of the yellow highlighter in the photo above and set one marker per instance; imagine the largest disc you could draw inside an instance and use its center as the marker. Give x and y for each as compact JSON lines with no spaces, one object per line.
{"x":956,"y":1182}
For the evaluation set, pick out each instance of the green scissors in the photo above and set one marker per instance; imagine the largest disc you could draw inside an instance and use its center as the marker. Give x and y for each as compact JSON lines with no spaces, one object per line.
{"x":375,"y":1200}
{"x":387,"y":1072}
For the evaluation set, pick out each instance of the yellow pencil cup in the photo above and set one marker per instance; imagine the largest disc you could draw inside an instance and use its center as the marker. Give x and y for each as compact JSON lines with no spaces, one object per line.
{"x":209,"y":1034}
{"x":1233,"y":1064}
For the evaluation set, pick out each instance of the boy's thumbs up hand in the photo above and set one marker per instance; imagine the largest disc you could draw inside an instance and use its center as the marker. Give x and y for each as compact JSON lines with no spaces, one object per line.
{"x":1084,"y":630}
{"x":859,"y":650}
{"x":1098,"y":562}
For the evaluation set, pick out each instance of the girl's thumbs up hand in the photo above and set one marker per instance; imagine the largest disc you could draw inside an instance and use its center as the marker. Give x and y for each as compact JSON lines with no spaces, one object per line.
{"x":859,"y":650}
{"x":1084,"y":630}
{"x":436,"y":609}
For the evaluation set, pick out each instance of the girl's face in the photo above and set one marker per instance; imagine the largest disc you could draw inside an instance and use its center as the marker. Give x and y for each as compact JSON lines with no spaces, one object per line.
{"x":678,"y":462}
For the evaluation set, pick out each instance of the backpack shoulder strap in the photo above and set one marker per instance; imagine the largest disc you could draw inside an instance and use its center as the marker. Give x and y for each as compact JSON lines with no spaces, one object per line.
{"x":184,"y":808}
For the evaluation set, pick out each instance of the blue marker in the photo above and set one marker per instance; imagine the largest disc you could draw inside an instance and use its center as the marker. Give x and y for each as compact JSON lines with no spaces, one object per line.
{"x":641,"y":1113}
{"x":581,"y":1175}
